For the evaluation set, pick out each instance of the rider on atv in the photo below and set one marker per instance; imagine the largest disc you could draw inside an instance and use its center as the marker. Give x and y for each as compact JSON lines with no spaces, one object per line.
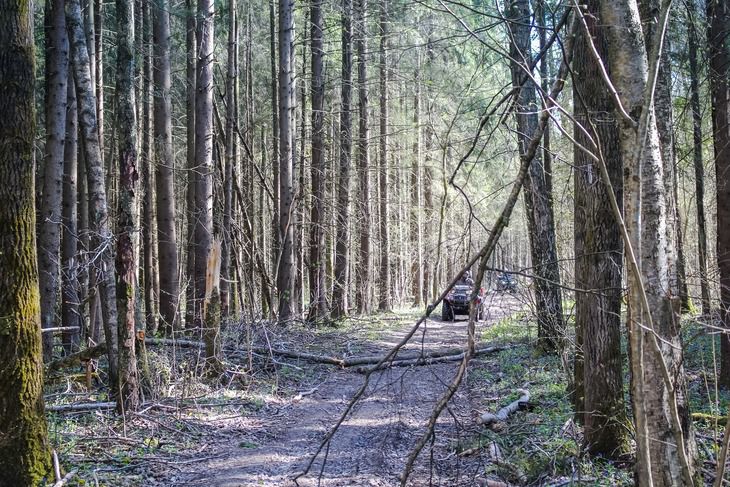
{"x":457,"y":301}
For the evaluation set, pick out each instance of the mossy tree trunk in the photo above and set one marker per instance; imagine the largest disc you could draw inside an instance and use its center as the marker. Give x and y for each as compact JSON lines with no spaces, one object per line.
{"x":127,"y":216}
{"x":24,"y":451}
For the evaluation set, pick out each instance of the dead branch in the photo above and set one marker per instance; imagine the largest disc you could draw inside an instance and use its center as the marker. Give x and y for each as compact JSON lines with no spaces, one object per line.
{"x":77,"y":358}
{"x":434,"y":358}
{"x":84,"y":406}
{"x":504,"y":413}
{"x":65,"y":479}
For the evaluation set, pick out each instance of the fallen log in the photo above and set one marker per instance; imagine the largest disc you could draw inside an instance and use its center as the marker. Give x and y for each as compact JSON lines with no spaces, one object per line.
{"x":82,"y":406}
{"x":502,"y":415}
{"x":77,"y":358}
{"x":429,"y":360}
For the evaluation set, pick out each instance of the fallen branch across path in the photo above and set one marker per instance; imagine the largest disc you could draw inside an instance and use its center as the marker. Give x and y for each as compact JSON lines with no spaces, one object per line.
{"x":504,"y":413}
{"x":432,"y":359}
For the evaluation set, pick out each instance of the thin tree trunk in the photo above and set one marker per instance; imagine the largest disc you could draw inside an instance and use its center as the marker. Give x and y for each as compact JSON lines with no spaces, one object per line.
{"x":363,"y":161}
{"x":98,"y":70}
{"x":191,"y":44}
{"x":203,"y":210}
{"x":340,"y":288}
{"x":128,"y":398}
{"x":541,"y":226}
{"x":598,"y":382}
{"x":70,"y":295}
{"x":275,"y":158}
{"x":317,"y":294}
{"x":416,"y":224}
{"x":699,"y":166}
{"x":102,"y":239}
{"x":718,"y":50}
{"x":286,"y":271}
{"x":165,"y":164}
{"x":149,"y":221}
{"x":384,"y":301}
{"x":231,"y":159}
{"x":49,"y":237}
{"x":24,"y":450}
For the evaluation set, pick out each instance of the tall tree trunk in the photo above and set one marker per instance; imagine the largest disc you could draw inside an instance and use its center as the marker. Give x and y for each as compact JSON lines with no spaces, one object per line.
{"x":541,"y":226}
{"x":718,"y":51}
{"x":276,"y":238}
{"x":165,"y":164}
{"x":598,"y":383}
{"x":127,"y":216}
{"x":363,"y":161}
{"x":287,"y":127}
{"x":384,"y":301}
{"x":416,"y":223}
{"x":231,"y":159}
{"x":699,"y":166}
{"x":191,"y":48}
{"x":24,"y":450}
{"x":340,"y":288}
{"x":102,"y":238}
{"x":70,"y":291}
{"x":665,"y":446}
{"x":49,"y":237}
{"x":665,"y":126}
{"x":98,"y":69}
{"x":317,"y":294}
{"x":149,"y":221}
{"x":203,"y":210}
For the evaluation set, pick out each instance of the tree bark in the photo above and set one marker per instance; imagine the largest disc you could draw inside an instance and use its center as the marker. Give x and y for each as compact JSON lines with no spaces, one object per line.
{"x":276,"y":238}
{"x":665,"y":126}
{"x":317,"y":294}
{"x":151,"y":275}
{"x":49,"y":232}
{"x":340,"y":288}
{"x":25,"y":457}
{"x":384,"y":301}
{"x":128,"y":398}
{"x":362,"y":276}
{"x":665,"y":445}
{"x":718,"y":50}
{"x":231,"y":159}
{"x":164,"y":167}
{"x":287,"y":128}
{"x":598,"y":382}
{"x":102,"y":238}
{"x":203,"y":210}
{"x":541,"y":226}
{"x":416,"y":224}
{"x":70,"y":291}
{"x":191,"y":45}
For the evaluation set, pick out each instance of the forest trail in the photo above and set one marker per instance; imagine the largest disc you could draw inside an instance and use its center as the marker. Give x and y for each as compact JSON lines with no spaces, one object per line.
{"x":268,"y":447}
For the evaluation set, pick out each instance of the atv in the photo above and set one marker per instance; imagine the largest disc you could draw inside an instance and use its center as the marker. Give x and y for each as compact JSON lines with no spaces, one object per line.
{"x":506,"y":282}
{"x":457,"y":302}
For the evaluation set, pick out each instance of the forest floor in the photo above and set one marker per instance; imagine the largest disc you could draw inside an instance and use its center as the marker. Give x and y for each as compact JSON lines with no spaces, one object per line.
{"x":262,"y":426}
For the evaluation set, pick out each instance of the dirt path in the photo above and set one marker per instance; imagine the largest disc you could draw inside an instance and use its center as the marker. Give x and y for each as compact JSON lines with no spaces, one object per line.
{"x":370,"y":448}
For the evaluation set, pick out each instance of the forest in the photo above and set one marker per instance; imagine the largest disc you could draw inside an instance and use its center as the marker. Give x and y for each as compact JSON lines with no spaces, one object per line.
{"x":364,"y":243}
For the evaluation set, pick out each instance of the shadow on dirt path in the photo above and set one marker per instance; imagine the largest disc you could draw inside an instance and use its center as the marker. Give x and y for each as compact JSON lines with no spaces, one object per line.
{"x":370,"y":448}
